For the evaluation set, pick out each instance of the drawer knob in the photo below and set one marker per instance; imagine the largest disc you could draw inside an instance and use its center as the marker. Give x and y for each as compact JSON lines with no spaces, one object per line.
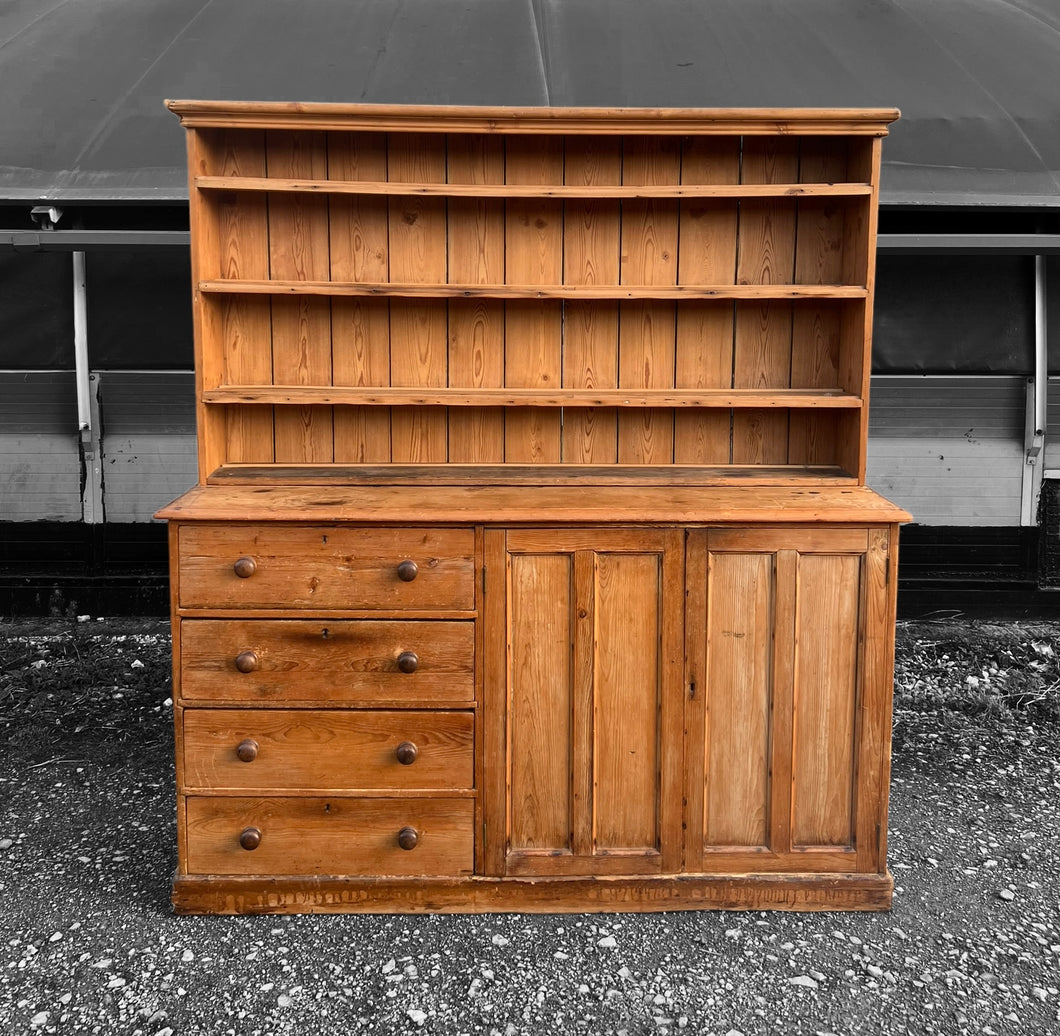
{"x":245,"y":567}
{"x":246,"y":661}
{"x":408,"y":661}
{"x":247,"y":750}
{"x":407,"y":753}
{"x":408,"y":838}
{"x":250,"y":838}
{"x":407,"y":571}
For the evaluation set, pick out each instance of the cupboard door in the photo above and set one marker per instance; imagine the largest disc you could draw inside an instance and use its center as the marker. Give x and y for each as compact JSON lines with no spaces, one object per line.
{"x":584,"y":754}
{"x":789,"y":682}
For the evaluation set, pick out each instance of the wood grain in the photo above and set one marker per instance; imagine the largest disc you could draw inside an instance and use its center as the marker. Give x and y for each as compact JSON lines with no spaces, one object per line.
{"x":647,"y":330}
{"x":360,"y":327}
{"x":301,"y":327}
{"x":476,"y":327}
{"x":762,"y":345}
{"x":740,"y":602}
{"x":539,"y":724}
{"x":418,"y":328}
{"x":332,"y":836}
{"x":826,"y":670}
{"x":299,"y":750}
{"x":324,"y":661}
{"x":591,"y":243}
{"x":705,"y":330}
{"x":533,"y":330}
{"x":243,"y":236}
{"x":306,"y":566}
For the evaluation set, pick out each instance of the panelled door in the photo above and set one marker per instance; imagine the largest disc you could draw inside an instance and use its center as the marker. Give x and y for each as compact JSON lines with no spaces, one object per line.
{"x":583,"y":689}
{"x":787,"y":662}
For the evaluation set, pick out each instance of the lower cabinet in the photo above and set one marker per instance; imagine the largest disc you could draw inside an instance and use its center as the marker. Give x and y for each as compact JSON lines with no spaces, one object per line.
{"x":593,"y":717}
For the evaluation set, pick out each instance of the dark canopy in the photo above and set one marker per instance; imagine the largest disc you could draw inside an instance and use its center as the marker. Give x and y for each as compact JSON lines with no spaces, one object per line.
{"x":83,"y":82}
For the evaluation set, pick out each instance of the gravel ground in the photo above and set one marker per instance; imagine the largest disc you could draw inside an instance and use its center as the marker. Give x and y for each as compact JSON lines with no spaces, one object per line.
{"x":89,"y":944}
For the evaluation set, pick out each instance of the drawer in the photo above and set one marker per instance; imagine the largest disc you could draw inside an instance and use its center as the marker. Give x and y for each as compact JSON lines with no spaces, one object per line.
{"x":251,"y":750}
{"x":265,"y":660}
{"x":333,"y":836}
{"x":325,"y":567}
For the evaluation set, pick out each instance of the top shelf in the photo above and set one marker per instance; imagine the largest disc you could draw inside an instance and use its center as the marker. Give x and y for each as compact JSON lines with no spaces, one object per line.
{"x":515,"y":190}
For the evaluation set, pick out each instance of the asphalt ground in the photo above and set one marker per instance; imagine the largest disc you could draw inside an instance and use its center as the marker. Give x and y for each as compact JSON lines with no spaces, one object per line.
{"x":89,"y":945}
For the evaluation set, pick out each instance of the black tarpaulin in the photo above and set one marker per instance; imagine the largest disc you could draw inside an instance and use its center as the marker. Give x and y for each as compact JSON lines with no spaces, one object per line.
{"x":83,"y":83}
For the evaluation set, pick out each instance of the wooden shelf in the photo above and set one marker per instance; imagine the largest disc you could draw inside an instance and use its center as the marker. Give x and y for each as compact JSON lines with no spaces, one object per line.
{"x":477,"y":475}
{"x":338,"y":395}
{"x":617,"y":292}
{"x":516,"y":190}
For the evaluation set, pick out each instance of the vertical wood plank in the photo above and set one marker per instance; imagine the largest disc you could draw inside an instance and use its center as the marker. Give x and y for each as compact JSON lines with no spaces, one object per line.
{"x":584,"y":649}
{"x":815,"y":325}
{"x":533,"y":329}
{"x":739,"y":675}
{"x":301,"y":327}
{"x":245,"y":320}
{"x":826,"y":666}
{"x":695,"y":707}
{"x":360,"y":327}
{"x":476,"y":326}
{"x":208,"y":327}
{"x":539,"y":701}
{"x":627,"y":702}
{"x":784,"y":637}
{"x":705,"y":329}
{"x":859,"y":267}
{"x":418,"y":327}
{"x":493,"y":718}
{"x":875,"y":707}
{"x":647,"y":330}
{"x":590,"y":329}
{"x":762,"y":346}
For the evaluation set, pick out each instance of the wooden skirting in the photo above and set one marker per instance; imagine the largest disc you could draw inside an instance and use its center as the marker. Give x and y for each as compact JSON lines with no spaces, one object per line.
{"x":215,"y":894}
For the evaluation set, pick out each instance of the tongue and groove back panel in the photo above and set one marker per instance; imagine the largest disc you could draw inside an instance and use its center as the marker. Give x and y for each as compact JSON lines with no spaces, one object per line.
{"x":579,"y":296}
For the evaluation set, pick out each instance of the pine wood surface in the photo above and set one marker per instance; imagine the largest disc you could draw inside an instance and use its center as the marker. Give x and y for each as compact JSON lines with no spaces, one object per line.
{"x":504,"y":504}
{"x":534,"y":438}
{"x":224,"y":894}
{"x":330,"y":836}
{"x":305,"y":566}
{"x":325,"y":661}
{"x":307,"y":750}
{"x":538,"y":120}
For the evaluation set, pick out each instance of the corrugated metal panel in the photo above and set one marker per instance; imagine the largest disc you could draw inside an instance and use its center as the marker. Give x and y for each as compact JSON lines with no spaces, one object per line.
{"x":148,"y":451}
{"x":1052,"y":432}
{"x":950,"y":450}
{"x":980,"y":110}
{"x":40,"y":460}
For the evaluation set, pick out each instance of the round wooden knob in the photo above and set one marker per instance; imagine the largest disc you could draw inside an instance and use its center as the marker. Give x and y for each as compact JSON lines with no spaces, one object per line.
{"x":408,"y":661}
{"x":408,"y":838}
{"x":250,"y":838}
{"x":407,"y":753}
{"x":407,"y":571}
{"x":245,"y":567}
{"x":247,"y":750}
{"x":246,"y":661}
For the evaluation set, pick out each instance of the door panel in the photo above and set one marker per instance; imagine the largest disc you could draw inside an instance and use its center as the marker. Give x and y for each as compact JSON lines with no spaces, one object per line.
{"x":592,"y":738}
{"x":826,"y":678}
{"x":540,"y":702}
{"x":776,"y":634}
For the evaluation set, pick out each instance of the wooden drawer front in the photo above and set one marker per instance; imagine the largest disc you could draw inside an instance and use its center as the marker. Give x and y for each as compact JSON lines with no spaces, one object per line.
{"x":334,"y":836}
{"x":310,"y":566}
{"x":334,"y":661}
{"x":250,"y":750}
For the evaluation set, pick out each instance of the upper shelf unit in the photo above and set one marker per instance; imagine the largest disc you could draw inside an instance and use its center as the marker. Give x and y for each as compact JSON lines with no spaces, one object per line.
{"x":390,"y":285}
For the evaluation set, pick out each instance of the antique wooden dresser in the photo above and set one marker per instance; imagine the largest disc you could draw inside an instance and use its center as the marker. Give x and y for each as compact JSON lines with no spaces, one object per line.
{"x":531,"y":565}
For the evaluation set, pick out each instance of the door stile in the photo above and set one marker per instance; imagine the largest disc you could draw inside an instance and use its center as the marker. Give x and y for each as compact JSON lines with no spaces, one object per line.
{"x":782,"y":707}
{"x":584,"y":705}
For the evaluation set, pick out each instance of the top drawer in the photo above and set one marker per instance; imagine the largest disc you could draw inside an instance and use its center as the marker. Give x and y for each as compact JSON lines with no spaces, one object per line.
{"x":226,"y":565}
